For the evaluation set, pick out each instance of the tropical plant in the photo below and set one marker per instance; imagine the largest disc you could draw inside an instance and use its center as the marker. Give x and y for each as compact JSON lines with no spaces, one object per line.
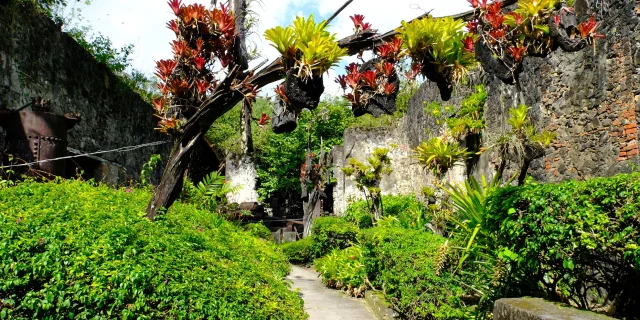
{"x":148,"y":168}
{"x":468,"y":201}
{"x":211,"y":192}
{"x":440,"y":154}
{"x":343,"y":270}
{"x":377,"y":79}
{"x":205,"y":40}
{"x":524,"y":31}
{"x":306,"y":46}
{"x":368,"y":177}
{"x":439,"y":42}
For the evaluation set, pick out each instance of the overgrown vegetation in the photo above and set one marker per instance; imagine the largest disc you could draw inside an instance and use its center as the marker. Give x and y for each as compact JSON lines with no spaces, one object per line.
{"x":78,"y":250}
{"x":368,"y":177}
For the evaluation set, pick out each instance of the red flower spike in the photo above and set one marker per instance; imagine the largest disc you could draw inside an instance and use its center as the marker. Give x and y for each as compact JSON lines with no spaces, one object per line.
{"x":384,"y":51}
{"x":353,"y":79}
{"x":158,"y":104}
{"x":203,"y":86}
{"x":264,"y":120}
{"x":588,"y":28}
{"x":369,"y":77}
{"x":180,"y":48}
{"x":517,"y":17}
{"x":389,"y":89}
{"x":165,"y":68}
{"x":199,"y":62}
{"x":468,"y":43}
{"x":176,"y":6}
{"x":199,"y":44}
{"x":197,"y":12}
{"x":163,"y":89}
{"x":396,"y":45}
{"x":351,"y":98}
{"x":517,"y":52}
{"x":280,"y":92}
{"x":483,"y":4}
{"x":497,"y":34}
{"x":494,"y":8}
{"x":358,"y":20}
{"x":495,"y":20}
{"x":366,"y":26}
{"x":178,"y":86}
{"x":556,"y":20}
{"x":353,"y":67}
{"x":173,"y":26}
{"x":472,"y":26}
{"x":342,"y":81}
{"x":474,"y":3}
{"x":388,"y":69}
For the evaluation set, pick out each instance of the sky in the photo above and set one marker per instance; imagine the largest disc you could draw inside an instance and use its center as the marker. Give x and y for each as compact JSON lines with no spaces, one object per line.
{"x":142,"y":23}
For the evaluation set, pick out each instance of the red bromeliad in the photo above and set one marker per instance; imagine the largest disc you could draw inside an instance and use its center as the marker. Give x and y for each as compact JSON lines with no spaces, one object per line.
{"x":517,"y":52}
{"x":264,"y":120}
{"x":369,"y":77}
{"x":359,"y":24}
{"x":469,"y":43}
{"x":204,"y":39}
{"x":389,"y":89}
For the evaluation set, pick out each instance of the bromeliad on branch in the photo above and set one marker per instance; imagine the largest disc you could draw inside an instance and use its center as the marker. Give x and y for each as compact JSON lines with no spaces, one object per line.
{"x":204,"y":39}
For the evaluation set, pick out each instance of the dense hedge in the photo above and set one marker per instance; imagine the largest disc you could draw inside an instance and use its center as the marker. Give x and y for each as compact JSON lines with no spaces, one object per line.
{"x":343,"y":269}
{"x":298,"y":252}
{"x":258,"y":230}
{"x":575,"y":238}
{"x":72,"y":250}
{"x":330,"y":233}
{"x":402,"y":262}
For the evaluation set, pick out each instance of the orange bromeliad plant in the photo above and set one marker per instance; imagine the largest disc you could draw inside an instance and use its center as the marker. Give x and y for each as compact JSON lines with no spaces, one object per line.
{"x":205,"y":41}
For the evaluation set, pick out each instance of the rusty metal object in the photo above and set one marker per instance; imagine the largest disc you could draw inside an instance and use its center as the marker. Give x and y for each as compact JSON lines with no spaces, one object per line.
{"x":36,"y":136}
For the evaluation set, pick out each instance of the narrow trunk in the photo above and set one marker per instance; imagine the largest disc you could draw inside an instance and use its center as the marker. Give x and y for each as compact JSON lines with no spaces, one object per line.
{"x":172,"y":178}
{"x":312,"y":210}
{"x":523,"y":171}
{"x":246,"y":140}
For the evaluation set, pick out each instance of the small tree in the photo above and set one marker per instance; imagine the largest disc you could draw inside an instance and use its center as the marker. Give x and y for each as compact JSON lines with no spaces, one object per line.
{"x":368,"y":177}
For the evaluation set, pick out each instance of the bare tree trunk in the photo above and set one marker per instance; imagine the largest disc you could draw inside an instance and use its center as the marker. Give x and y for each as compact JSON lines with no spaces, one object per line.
{"x":242,"y":57}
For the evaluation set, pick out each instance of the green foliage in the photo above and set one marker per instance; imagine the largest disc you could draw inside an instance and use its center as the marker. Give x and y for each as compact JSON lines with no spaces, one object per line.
{"x":101,"y":47}
{"x":441,"y":40}
{"x":258,"y":230}
{"x":343,"y":269}
{"x":210,"y":192}
{"x":569,"y":236}
{"x":280,"y":156}
{"x":406,"y":91}
{"x":469,"y":211}
{"x":440,"y":154}
{"x":84,"y":251}
{"x":404,"y":263}
{"x":467,"y":120}
{"x":332,"y":233}
{"x":307,"y":46}
{"x":298,"y":252}
{"x":368,"y":177}
{"x":410,"y":212}
{"x":148,"y":168}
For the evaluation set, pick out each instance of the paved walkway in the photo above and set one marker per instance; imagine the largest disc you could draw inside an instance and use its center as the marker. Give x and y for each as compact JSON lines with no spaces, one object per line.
{"x":322,"y":303}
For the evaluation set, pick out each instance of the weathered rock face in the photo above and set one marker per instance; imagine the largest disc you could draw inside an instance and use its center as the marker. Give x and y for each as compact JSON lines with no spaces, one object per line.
{"x":38,"y":60}
{"x":538,"y":309}
{"x":241,"y":172}
{"x":590,"y":100}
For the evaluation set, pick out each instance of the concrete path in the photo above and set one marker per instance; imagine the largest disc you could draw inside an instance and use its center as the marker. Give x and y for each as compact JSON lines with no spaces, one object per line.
{"x":322,"y":303}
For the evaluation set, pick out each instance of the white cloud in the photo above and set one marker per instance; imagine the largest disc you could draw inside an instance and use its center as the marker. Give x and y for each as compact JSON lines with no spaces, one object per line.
{"x":142,"y":23}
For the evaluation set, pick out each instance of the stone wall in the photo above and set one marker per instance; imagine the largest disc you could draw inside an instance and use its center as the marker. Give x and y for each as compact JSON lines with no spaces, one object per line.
{"x":590,"y":100}
{"x":38,"y":60}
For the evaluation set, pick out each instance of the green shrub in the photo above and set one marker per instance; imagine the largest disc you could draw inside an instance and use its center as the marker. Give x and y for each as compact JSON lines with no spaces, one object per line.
{"x":298,"y":252}
{"x":573,"y":238}
{"x":330,"y":233}
{"x":73,"y":250}
{"x":258,"y":230}
{"x":343,"y":269}
{"x":405,"y":263}
{"x":409,"y":211}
